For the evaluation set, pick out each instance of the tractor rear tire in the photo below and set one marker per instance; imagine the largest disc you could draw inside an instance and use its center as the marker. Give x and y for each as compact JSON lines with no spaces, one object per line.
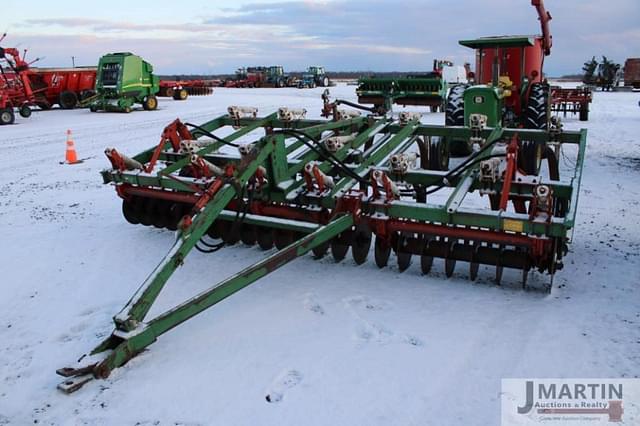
{"x":150,"y":103}
{"x":325,"y":82}
{"x":68,"y":100}
{"x":454,"y":111}
{"x":454,"y":116}
{"x":25,"y":111}
{"x":7,"y":116}
{"x":536,"y":114}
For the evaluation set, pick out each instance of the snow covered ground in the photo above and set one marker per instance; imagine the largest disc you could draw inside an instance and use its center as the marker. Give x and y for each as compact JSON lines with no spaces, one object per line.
{"x":332,"y":344}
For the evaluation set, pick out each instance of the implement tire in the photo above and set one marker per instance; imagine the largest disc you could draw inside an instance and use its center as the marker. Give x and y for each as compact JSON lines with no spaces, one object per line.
{"x":68,"y":100}
{"x":7,"y":116}
{"x":150,"y":103}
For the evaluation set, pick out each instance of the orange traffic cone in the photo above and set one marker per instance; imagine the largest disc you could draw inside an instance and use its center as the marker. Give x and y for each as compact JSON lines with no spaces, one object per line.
{"x":71,"y":156}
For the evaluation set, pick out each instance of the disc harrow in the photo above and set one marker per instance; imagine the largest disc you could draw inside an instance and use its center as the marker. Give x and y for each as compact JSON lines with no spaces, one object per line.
{"x":348,"y":185}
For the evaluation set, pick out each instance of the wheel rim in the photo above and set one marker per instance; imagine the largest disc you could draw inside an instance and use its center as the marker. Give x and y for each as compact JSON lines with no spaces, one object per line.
{"x":6,"y":117}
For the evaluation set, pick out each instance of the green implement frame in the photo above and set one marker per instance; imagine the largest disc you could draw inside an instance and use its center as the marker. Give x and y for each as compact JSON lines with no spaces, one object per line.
{"x":307,"y":185}
{"x":428,"y":89}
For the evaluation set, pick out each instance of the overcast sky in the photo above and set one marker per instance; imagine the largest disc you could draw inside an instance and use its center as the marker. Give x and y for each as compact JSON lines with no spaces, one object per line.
{"x":199,"y":36}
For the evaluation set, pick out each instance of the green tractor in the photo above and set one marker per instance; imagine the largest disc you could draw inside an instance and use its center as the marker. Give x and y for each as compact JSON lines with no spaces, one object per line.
{"x":315,"y":76}
{"x":275,"y":76}
{"x":509,"y":89}
{"x":124,"y":80}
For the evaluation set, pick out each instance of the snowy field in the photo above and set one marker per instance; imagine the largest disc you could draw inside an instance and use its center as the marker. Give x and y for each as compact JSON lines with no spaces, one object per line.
{"x":341,"y":344}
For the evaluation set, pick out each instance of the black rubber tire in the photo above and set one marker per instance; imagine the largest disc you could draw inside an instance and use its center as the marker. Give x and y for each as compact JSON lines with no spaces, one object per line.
{"x":180,"y":95}
{"x":438,"y":153}
{"x":454,"y":116}
{"x":25,"y":111}
{"x":68,"y":100}
{"x":536,"y":113}
{"x":454,"y":110}
{"x":7,"y":116}
{"x":150,"y":103}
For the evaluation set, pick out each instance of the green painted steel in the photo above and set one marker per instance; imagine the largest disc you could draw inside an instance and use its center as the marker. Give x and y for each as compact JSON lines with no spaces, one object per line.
{"x":428,"y":89}
{"x":485,"y":100}
{"x":499,"y":41}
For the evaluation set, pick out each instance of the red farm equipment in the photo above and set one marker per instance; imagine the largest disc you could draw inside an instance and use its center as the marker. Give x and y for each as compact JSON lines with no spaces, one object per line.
{"x":571,"y":101}
{"x":180,"y":90}
{"x":248,"y":78}
{"x":16,"y":89}
{"x":67,"y":87}
{"x":632,"y":73}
